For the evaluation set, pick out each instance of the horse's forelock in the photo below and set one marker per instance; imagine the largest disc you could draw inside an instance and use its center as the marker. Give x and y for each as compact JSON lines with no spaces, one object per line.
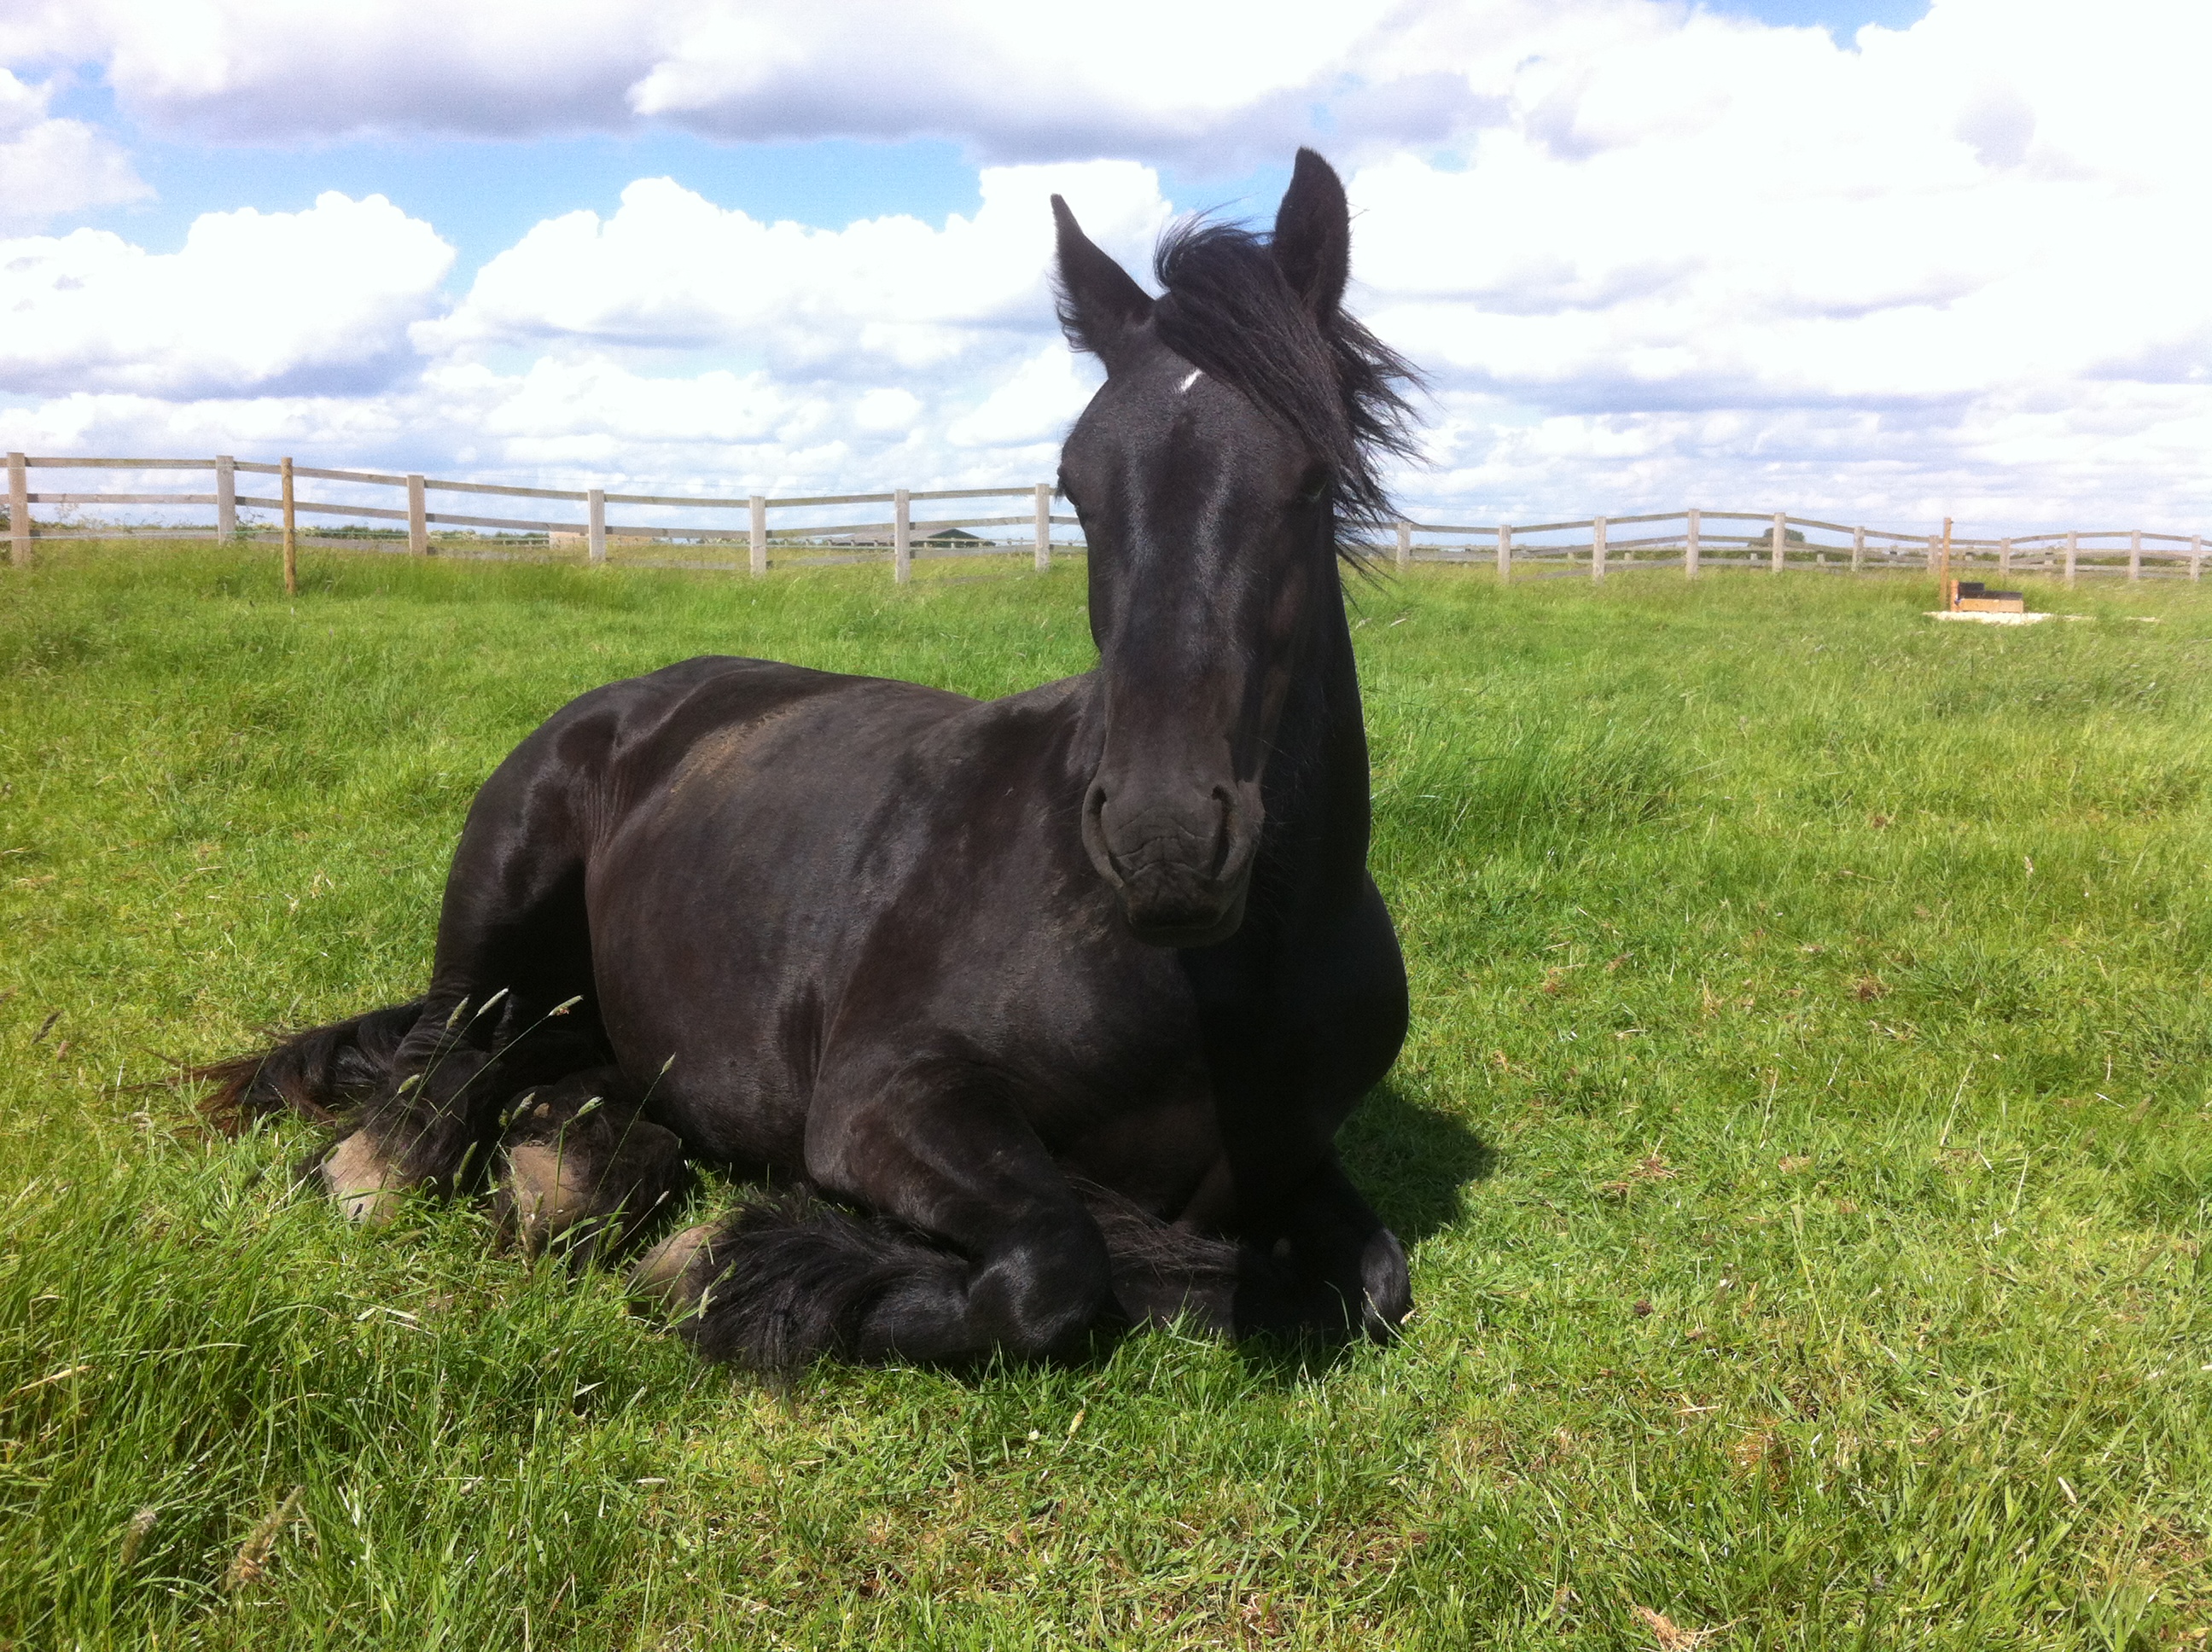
{"x":1229,"y":309}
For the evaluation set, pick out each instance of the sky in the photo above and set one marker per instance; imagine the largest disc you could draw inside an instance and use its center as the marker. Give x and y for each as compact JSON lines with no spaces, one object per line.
{"x":1880,"y":261}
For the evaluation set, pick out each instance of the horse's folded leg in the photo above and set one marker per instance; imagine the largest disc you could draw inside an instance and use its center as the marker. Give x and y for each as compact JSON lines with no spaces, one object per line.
{"x":435,"y":1122}
{"x":581,"y":1169}
{"x":425,"y":1131}
{"x":1164,"y":1274}
{"x":790,"y":1279}
{"x":1386,"y":1282}
{"x":1035,"y":1292}
{"x":1205,"y":1302}
{"x":1348,"y":1271}
{"x":786,"y":1279}
{"x":429,"y":1126}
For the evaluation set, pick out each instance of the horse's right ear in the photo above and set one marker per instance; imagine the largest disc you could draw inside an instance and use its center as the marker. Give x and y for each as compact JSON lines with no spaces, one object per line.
{"x":1100,"y":306}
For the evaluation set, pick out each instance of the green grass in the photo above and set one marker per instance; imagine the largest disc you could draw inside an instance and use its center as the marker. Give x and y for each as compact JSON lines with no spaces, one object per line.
{"x":1804,"y":1140}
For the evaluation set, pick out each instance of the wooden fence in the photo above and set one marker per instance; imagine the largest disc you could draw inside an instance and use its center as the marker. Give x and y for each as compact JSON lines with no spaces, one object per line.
{"x":900,"y":536}
{"x":1692,"y":540}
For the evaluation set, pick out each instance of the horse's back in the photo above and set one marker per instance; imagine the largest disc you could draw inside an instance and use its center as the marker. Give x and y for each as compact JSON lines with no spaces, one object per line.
{"x":632,"y":734}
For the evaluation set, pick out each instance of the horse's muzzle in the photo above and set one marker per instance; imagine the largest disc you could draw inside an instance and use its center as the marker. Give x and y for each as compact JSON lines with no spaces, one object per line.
{"x":1179,"y":860}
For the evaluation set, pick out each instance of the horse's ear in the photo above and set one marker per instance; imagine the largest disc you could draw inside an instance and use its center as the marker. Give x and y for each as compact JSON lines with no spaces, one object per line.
{"x":1099,"y":306}
{"x":1313,"y":235}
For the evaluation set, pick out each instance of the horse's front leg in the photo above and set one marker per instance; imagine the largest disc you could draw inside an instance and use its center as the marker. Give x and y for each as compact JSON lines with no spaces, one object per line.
{"x":1294,"y":1043}
{"x":969,"y":1238}
{"x":1346,"y":1269}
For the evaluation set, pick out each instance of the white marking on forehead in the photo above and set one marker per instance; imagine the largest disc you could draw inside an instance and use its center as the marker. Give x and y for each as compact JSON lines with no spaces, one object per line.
{"x":1196,"y":373}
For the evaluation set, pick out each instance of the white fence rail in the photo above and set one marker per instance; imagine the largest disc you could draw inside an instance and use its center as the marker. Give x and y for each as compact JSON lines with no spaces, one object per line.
{"x":1692,"y":540}
{"x":902,"y":535}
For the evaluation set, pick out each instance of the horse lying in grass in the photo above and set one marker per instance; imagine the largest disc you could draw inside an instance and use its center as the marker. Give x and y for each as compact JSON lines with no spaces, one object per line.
{"x":1042,"y":1013}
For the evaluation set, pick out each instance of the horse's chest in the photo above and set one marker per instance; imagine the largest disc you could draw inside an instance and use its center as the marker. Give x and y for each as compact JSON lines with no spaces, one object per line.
{"x":1120,"y":1092}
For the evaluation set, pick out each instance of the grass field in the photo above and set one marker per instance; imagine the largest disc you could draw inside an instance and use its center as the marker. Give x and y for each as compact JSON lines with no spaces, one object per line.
{"x":1804,"y":1141}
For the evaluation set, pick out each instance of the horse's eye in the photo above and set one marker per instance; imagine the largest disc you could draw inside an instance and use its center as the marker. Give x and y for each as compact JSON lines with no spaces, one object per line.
{"x":1315,"y":490}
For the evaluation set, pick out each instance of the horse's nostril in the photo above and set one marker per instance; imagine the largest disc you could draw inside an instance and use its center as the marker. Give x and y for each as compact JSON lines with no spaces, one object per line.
{"x":1094,"y":835}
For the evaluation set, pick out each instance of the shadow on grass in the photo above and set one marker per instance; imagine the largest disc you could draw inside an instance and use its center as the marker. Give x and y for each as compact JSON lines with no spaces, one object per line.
{"x":1411,"y":1161}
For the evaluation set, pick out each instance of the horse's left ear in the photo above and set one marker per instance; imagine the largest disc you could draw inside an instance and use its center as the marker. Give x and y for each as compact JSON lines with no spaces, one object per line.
{"x":1313,"y":235}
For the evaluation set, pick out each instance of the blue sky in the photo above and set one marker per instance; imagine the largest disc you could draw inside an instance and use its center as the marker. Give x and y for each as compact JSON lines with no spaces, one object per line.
{"x":1843,"y":21}
{"x":1647,"y":252}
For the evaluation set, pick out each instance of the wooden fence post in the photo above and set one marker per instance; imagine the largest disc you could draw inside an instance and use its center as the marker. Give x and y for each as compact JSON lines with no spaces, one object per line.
{"x":2134,"y":554}
{"x":226,"y":495}
{"x":1781,"y":531}
{"x":1690,"y":547}
{"x":291,"y":543}
{"x":2004,"y":559}
{"x":1505,"y":555}
{"x":418,"y":521}
{"x":2196,"y":555}
{"x":1858,"y":550}
{"x":2071,"y":550}
{"x":759,"y":535}
{"x":1597,"y":548}
{"x":1943,"y":589}
{"x":902,"y":537}
{"x":1043,"y":526}
{"x":19,"y":512}
{"x":595,"y":525}
{"x":1405,"y":544}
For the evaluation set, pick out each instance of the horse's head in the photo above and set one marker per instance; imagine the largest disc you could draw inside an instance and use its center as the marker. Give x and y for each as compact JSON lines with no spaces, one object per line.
{"x":1209,"y":472}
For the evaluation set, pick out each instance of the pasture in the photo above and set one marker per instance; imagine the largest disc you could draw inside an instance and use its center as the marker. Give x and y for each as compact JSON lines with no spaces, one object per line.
{"x":1804,"y":1142}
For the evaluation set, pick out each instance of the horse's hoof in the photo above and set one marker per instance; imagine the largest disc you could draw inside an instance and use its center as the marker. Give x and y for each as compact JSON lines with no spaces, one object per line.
{"x":360,"y":1183}
{"x":674,"y":1272}
{"x":1386,"y":1286}
{"x":546,"y":1194}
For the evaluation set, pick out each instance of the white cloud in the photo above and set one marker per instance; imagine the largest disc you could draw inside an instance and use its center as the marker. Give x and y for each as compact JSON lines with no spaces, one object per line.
{"x":1166,"y":78}
{"x":1160,"y":77}
{"x":1648,"y":253}
{"x":673,"y":270}
{"x":885,"y":411}
{"x":1720,"y":256}
{"x":273,"y":69}
{"x":253,"y":301}
{"x":582,"y":421}
{"x":1036,"y":403}
{"x":53,"y":166}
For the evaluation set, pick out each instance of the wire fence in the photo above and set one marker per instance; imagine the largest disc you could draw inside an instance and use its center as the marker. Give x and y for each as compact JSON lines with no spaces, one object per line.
{"x":807,"y":530}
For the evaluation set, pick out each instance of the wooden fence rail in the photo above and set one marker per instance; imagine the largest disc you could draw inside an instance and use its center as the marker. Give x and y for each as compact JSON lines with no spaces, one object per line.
{"x":1591,"y":547}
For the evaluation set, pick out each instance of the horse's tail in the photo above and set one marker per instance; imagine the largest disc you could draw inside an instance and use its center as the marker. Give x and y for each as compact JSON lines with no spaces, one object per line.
{"x":318,"y":1074}
{"x":789,"y":1278}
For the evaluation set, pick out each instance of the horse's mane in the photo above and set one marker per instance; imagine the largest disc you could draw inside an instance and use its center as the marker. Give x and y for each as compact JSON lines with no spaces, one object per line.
{"x":1228,"y":309}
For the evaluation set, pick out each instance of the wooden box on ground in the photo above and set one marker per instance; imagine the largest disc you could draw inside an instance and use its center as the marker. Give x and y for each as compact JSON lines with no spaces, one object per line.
{"x":1972,"y":597}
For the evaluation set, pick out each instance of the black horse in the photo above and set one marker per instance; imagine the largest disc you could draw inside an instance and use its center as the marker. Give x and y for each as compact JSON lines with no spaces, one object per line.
{"x":1043,"y":1013}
